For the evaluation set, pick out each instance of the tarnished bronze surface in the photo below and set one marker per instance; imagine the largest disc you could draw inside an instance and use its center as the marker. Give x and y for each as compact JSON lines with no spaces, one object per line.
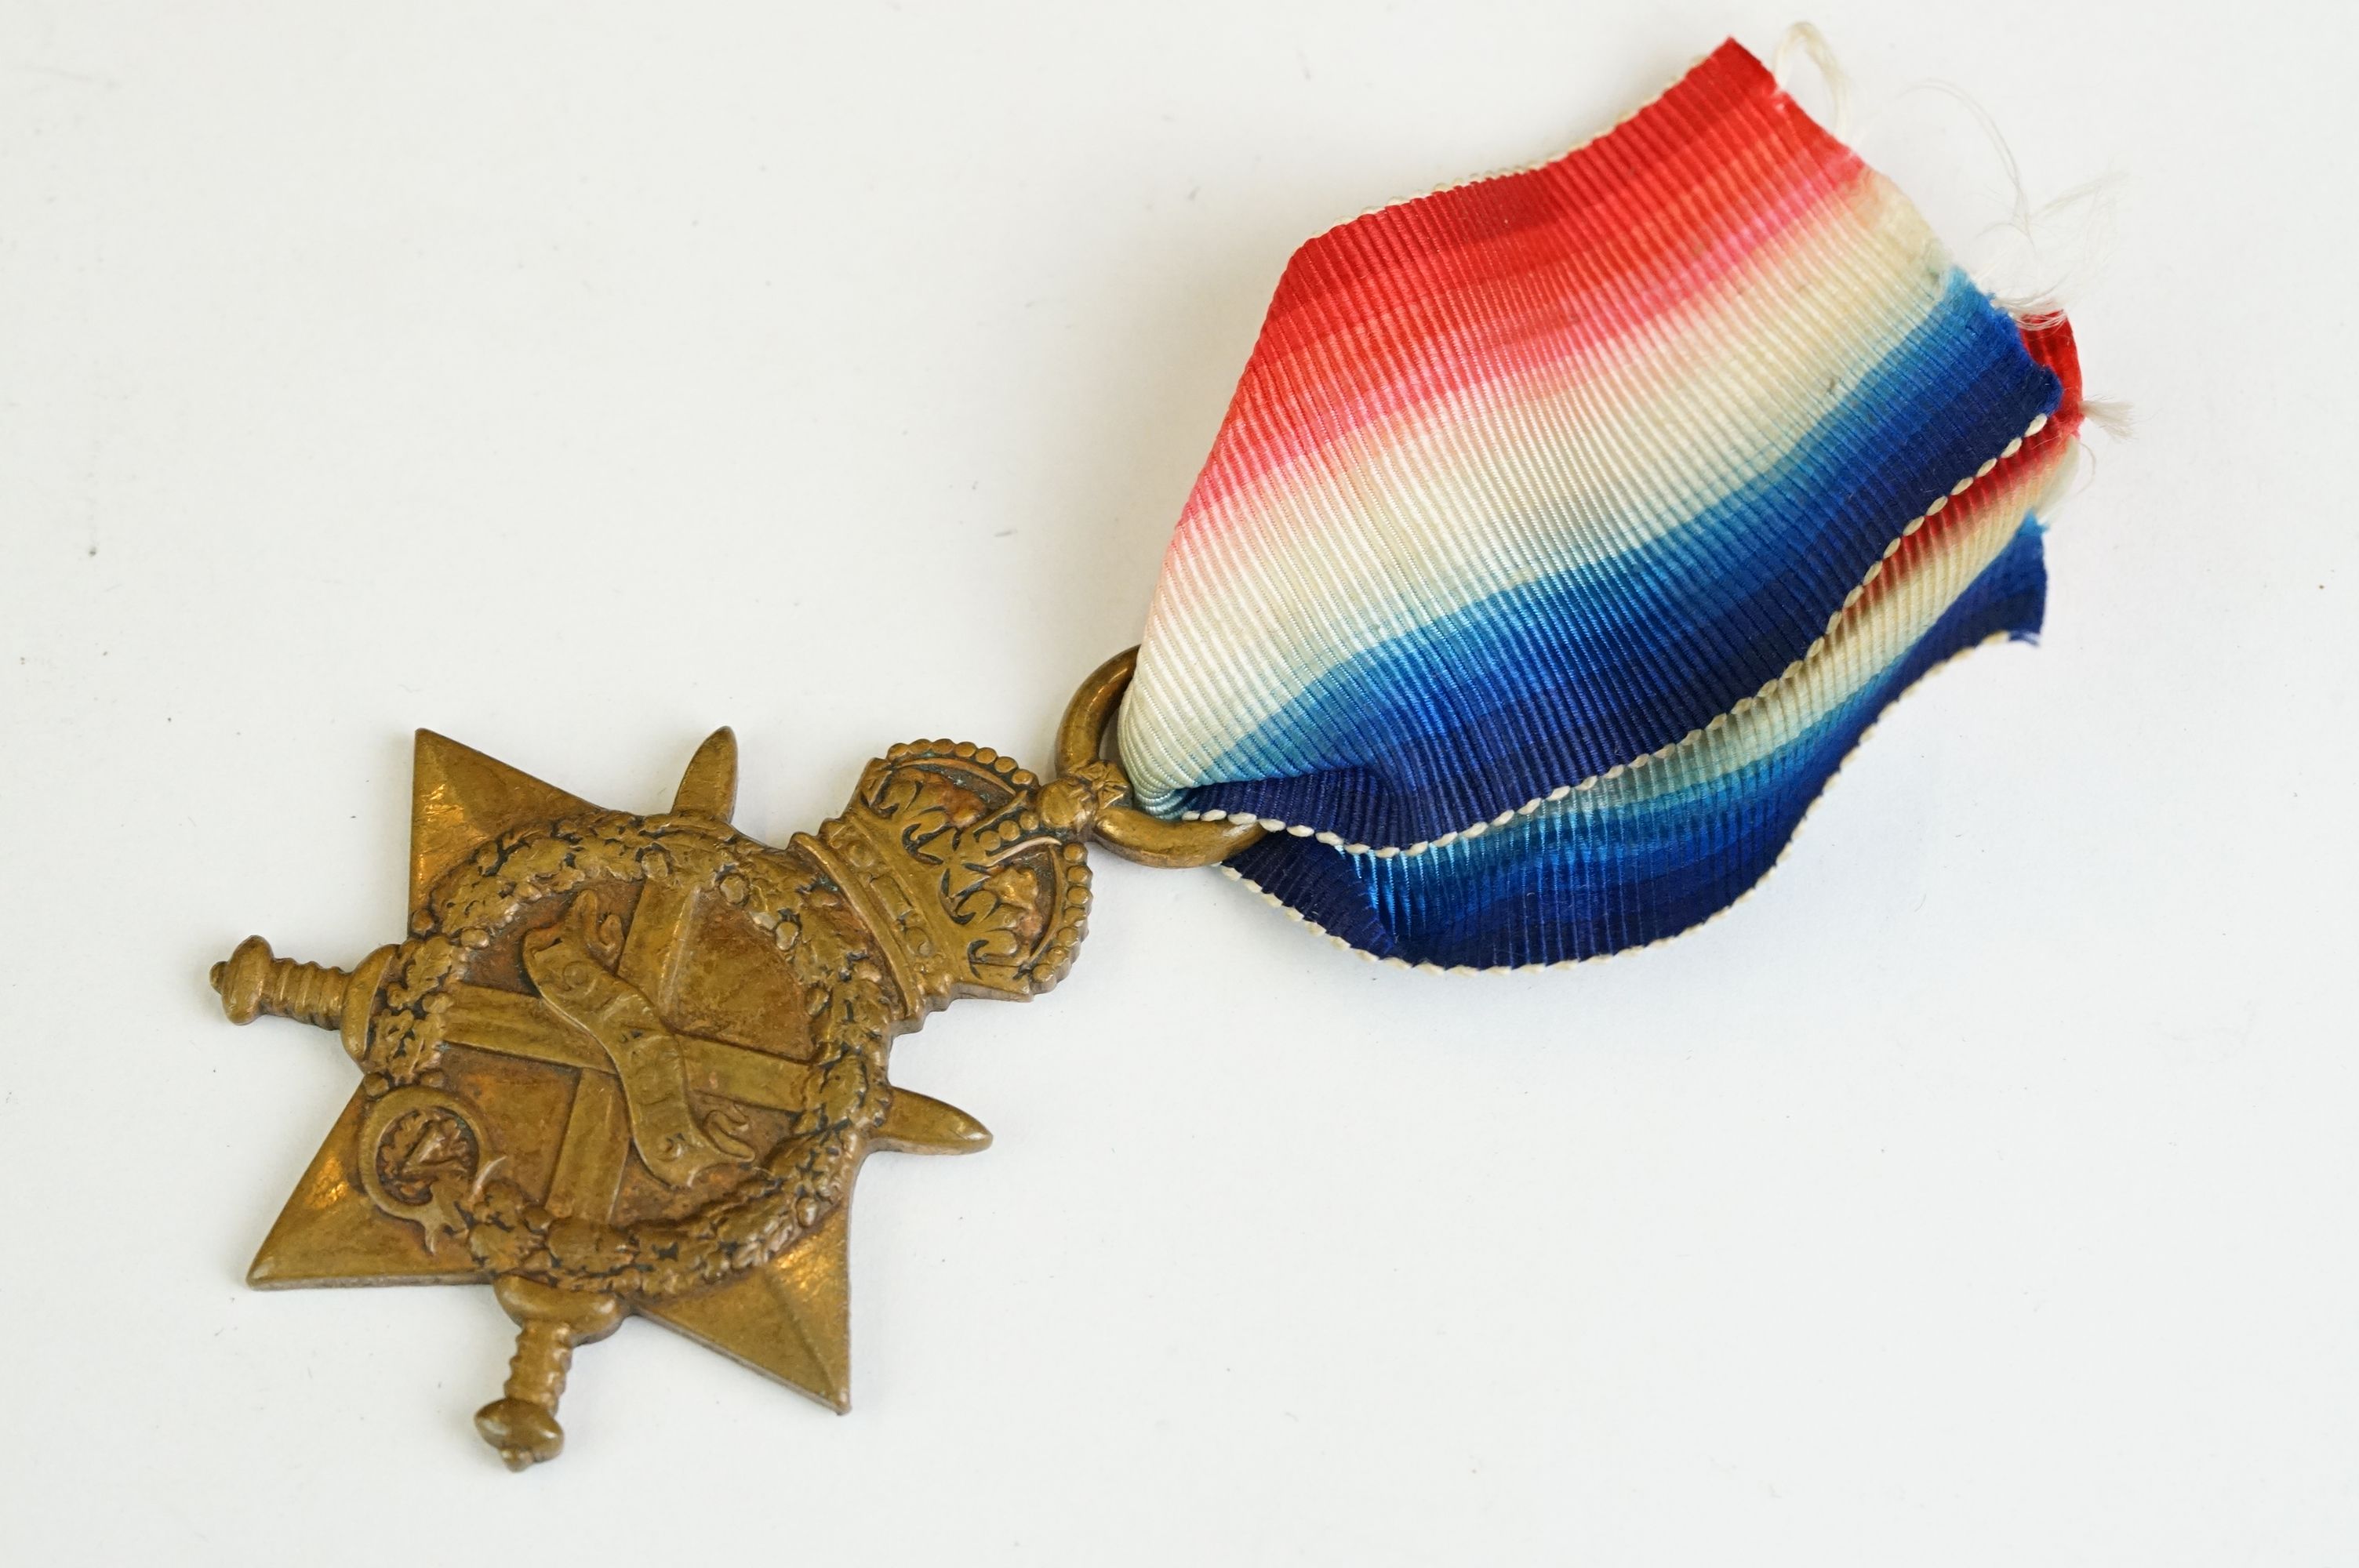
{"x":628,"y":1064}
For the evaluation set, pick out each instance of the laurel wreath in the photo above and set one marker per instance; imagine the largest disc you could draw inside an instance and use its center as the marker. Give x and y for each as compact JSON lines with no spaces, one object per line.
{"x":776,"y":1201}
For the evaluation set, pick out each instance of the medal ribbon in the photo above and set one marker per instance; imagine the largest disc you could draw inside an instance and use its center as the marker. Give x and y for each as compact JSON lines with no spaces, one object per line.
{"x":1569,"y":527}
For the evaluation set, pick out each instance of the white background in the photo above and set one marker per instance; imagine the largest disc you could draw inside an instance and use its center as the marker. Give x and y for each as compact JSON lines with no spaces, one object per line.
{"x":574,"y":378}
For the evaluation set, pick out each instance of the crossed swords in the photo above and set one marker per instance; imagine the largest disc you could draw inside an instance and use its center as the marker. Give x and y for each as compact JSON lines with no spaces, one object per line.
{"x":635,"y":1077}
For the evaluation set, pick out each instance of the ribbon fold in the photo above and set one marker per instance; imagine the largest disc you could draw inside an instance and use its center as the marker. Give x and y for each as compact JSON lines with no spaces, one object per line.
{"x":1567,"y":527}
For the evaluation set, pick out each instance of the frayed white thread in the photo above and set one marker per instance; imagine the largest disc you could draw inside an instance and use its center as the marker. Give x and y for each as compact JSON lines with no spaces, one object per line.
{"x":2035,"y":257}
{"x":2111,"y":414}
{"x":1806,"y":40}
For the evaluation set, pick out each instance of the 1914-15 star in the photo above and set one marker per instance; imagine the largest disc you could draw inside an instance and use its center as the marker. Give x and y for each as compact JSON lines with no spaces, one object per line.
{"x":621,"y":1053}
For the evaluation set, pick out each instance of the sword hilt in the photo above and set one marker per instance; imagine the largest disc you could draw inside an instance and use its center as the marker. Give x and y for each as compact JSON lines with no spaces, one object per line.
{"x":253,"y":983}
{"x":522,"y":1424}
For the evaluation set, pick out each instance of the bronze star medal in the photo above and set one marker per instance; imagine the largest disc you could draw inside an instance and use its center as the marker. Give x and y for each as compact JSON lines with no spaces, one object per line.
{"x":630,"y":1064}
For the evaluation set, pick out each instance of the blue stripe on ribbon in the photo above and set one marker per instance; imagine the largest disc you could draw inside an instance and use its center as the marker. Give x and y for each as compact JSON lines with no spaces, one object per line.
{"x":1574,"y":880}
{"x":1544,"y":685}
